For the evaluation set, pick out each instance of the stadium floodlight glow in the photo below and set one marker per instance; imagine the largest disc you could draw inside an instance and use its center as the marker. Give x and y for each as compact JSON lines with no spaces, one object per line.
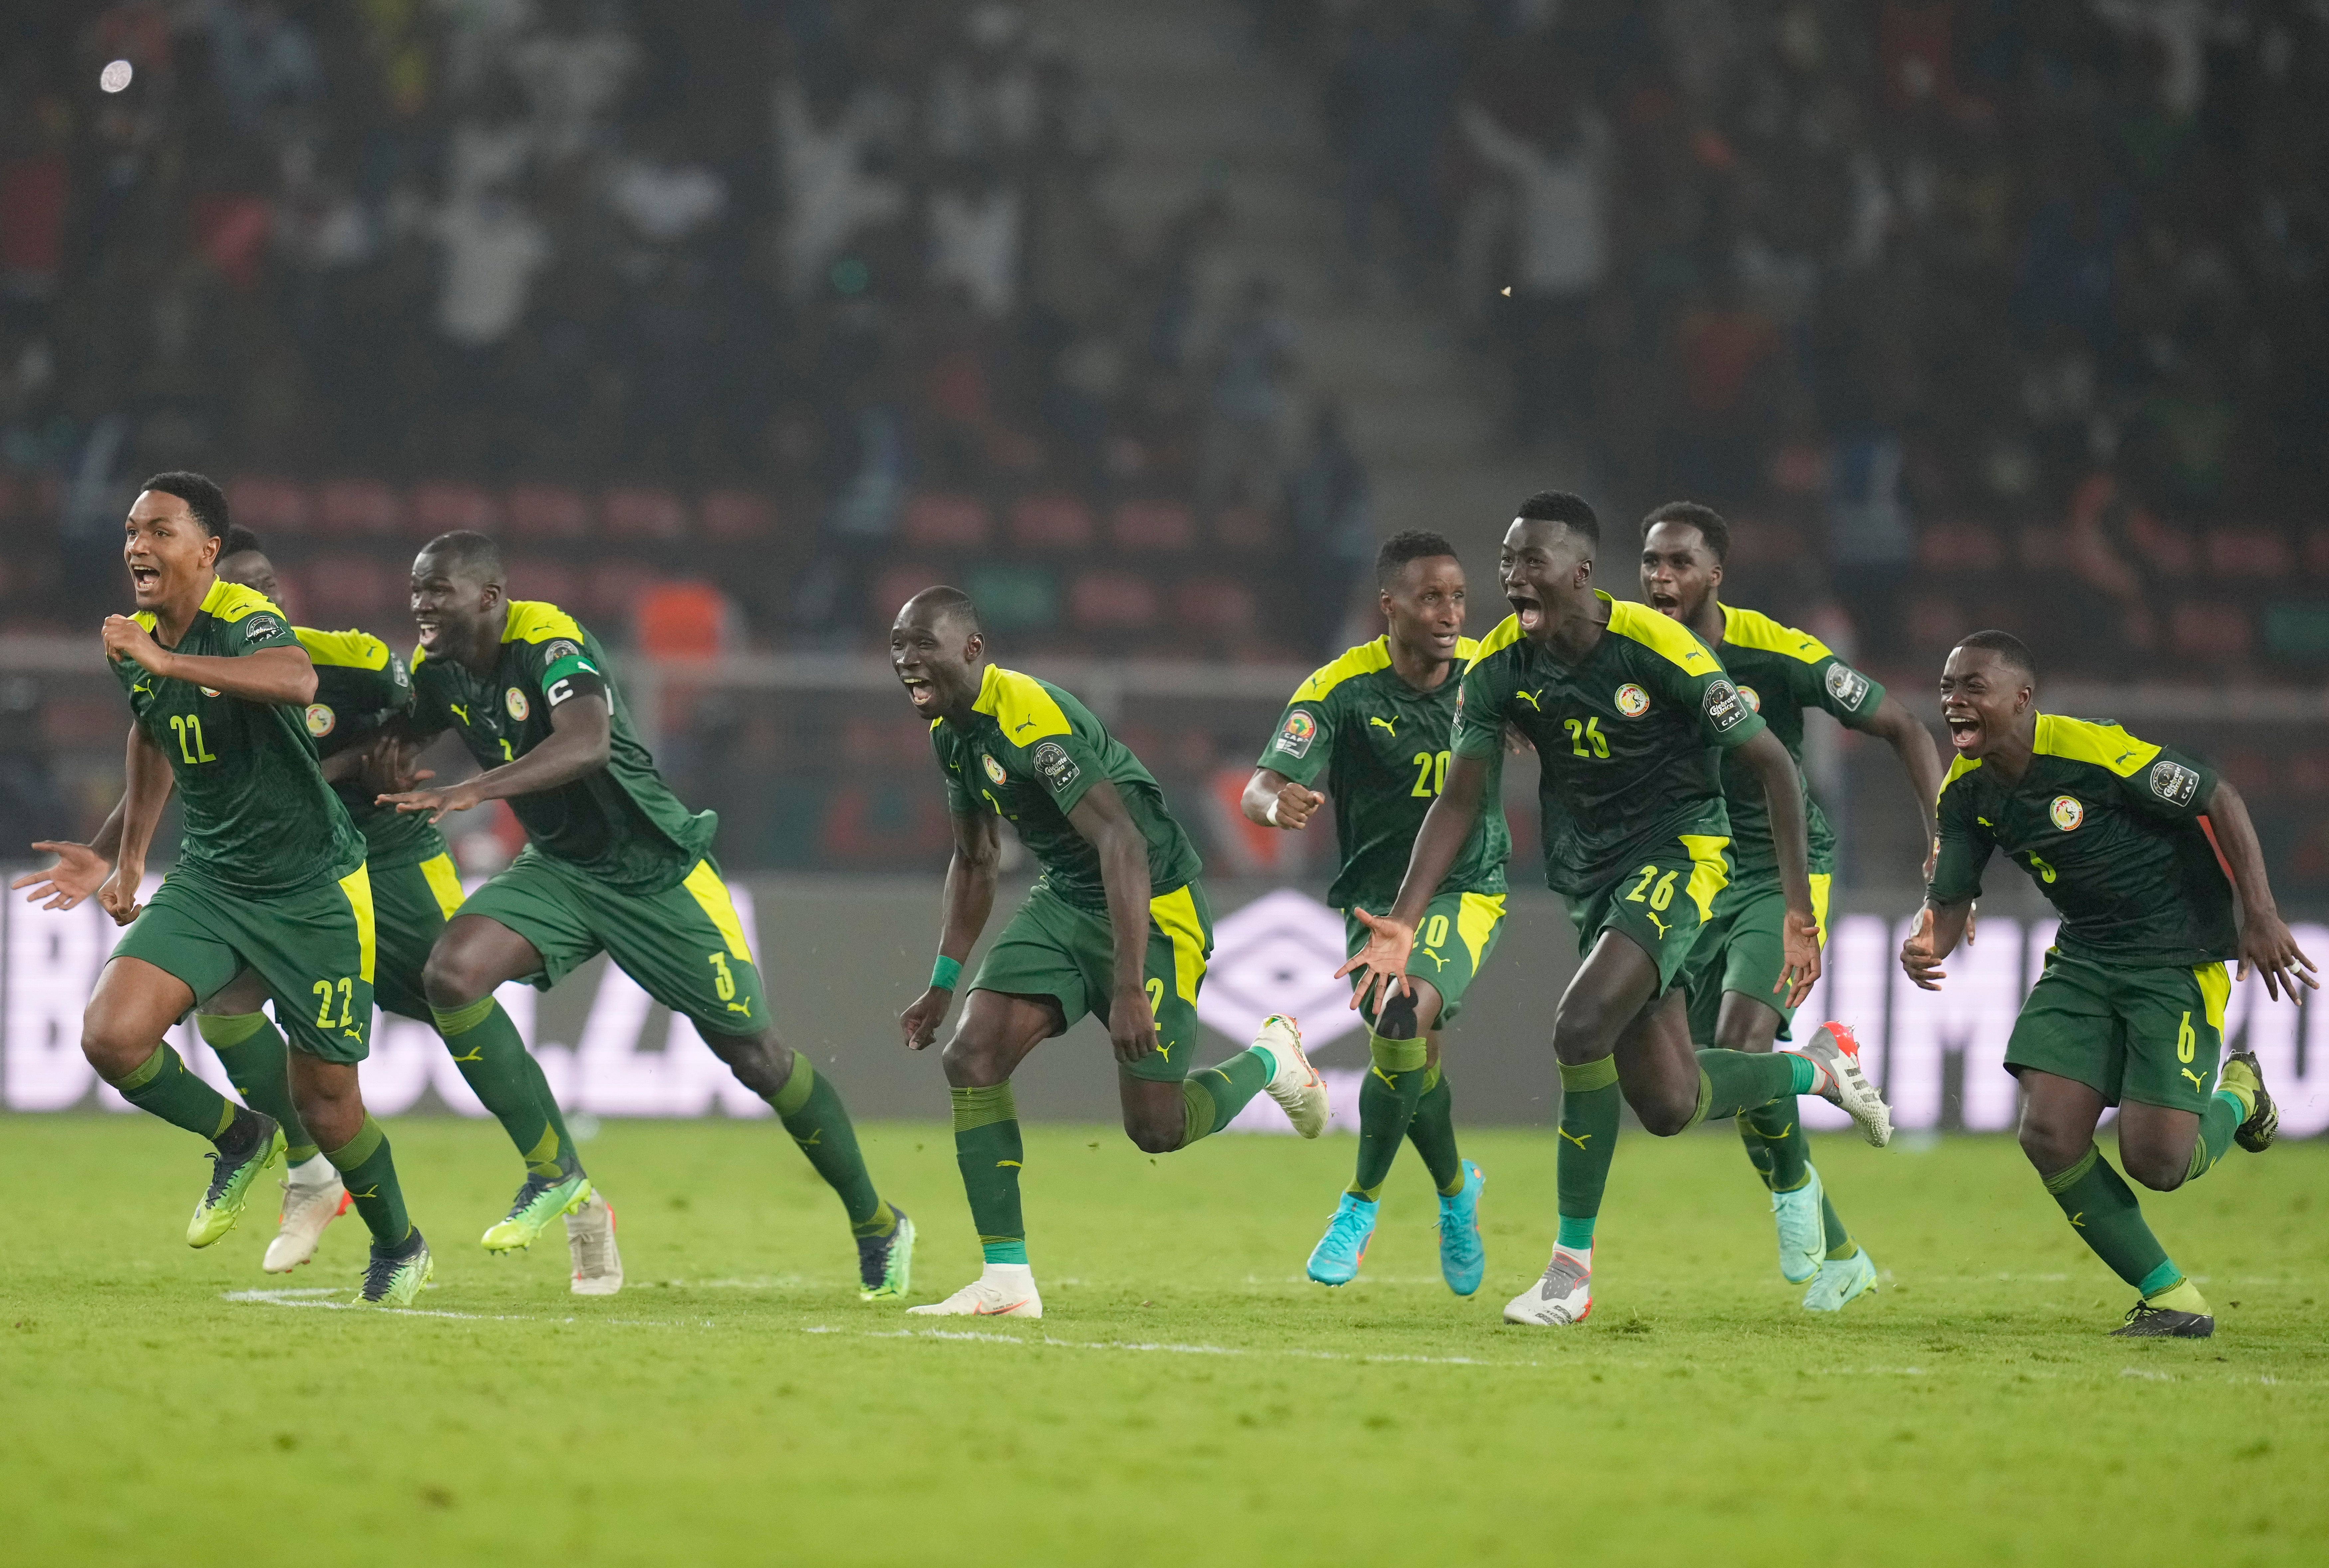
{"x":115,"y":75}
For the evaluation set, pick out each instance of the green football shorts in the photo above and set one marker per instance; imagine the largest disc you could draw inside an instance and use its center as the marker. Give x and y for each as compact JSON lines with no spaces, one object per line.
{"x":1053,"y":948}
{"x":2151,"y":1035}
{"x":313,"y":948}
{"x":1661,"y":905}
{"x":1458,"y":932}
{"x":685,"y":946}
{"x":410,"y":906}
{"x":1743,"y":949}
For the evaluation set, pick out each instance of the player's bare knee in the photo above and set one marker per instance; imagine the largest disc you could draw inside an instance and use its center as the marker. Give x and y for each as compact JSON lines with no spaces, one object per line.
{"x":1581,"y":1031}
{"x":761,"y":1062}
{"x":1667,"y":1116}
{"x":450,"y":979}
{"x":2157,"y":1169}
{"x":1149,"y":1134}
{"x":972,"y":1063}
{"x":2051,"y":1147}
{"x":110,"y":1047}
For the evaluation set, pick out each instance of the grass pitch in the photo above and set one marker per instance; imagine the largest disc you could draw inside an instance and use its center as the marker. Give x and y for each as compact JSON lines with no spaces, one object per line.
{"x":1189,"y":1399}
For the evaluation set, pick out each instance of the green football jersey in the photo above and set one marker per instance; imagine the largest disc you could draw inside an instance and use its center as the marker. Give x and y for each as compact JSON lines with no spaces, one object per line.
{"x":1627,"y":740}
{"x":1780,"y":672}
{"x":361,"y":684}
{"x":1383,"y":746}
{"x":621,"y":824}
{"x":2110,"y":829}
{"x":1031,"y":751}
{"x":258,"y":817}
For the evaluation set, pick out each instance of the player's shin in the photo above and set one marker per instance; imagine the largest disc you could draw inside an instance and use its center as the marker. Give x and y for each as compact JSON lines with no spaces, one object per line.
{"x":987,"y":1147}
{"x":1432,"y":1130}
{"x":811,"y":1109}
{"x":368,"y":1169}
{"x":1387,"y":1102}
{"x":1772,"y":1133}
{"x":1211,"y":1098}
{"x":2226,"y":1110}
{"x":251,"y":1049}
{"x":2102,"y":1208}
{"x":164,"y":1086}
{"x":1589,"y":1105}
{"x":504,"y":1075}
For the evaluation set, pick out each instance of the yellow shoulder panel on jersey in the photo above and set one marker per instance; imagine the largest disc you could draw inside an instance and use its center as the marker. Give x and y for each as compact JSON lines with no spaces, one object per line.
{"x":148,"y":619}
{"x":1753,"y":629}
{"x":1505,"y":633}
{"x":532,"y":620}
{"x":1021,"y":706}
{"x":1660,"y":634}
{"x":2103,"y":745}
{"x":1958,"y":768}
{"x":1362,"y":660}
{"x":353,"y":651}
{"x":231,"y":601}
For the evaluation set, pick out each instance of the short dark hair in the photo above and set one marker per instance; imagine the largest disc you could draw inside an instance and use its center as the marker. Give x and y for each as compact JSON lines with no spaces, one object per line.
{"x":1560,"y":507}
{"x":1406,"y":545}
{"x":2009,"y":648}
{"x":238,"y":540}
{"x":470,"y":553}
{"x":201,"y":494}
{"x":948,"y":602}
{"x":1690,"y":515}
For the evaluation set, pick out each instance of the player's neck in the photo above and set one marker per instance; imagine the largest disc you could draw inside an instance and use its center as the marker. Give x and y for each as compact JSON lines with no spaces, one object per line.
{"x":2011,"y":756}
{"x":1420,"y":668}
{"x":1577,"y":628}
{"x":482,"y":650}
{"x":176,"y":614}
{"x":1708,"y":622}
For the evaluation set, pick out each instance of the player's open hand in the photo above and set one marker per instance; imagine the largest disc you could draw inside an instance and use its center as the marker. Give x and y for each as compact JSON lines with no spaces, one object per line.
{"x":1294,"y":805}
{"x":1799,"y":947}
{"x":436,"y":802}
{"x":72,"y":881}
{"x":921,"y":1021}
{"x":2267,"y":946}
{"x":1917,"y":957}
{"x":118,"y":896}
{"x":126,"y":639}
{"x":1131,"y":1025}
{"x":387,"y":767}
{"x":1382,"y":964}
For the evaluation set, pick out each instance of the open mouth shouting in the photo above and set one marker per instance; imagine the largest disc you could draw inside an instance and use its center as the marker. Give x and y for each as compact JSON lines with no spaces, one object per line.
{"x":1965,"y":728}
{"x":918,"y":691}
{"x":145,"y":578}
{"x":1527,"y":607}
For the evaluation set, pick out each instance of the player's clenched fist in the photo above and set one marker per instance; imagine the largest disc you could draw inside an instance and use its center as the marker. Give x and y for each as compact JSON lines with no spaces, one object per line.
{"x":921,"y":1021}
{"x":1294,"y":806}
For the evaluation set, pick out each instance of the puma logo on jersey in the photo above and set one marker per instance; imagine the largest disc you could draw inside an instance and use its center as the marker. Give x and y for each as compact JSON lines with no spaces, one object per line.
{"x":1023,"y":725}
{"x":1164,"y":1049}
{"x":1530,"y":698}
{"x":743,"y":1007}
{"x":1384,"y":723}
{"x":1434,"y":956}
{"x":460,"y":710}
{"x":1664,"y":929}
{"x":2198,"y":1080}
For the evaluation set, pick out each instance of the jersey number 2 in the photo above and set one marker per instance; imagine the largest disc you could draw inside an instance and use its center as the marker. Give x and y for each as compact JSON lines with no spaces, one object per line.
{"x":1657,"y":897}
{"x":188,"y":728}
{"x":346,"y":991}
{"x":1430,"y":773}
{"x":1587,"y":733}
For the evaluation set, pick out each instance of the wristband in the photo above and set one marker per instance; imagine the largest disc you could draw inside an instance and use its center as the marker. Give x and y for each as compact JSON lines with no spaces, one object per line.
{"x":1272,"y":812}
{"x":945,"y":973}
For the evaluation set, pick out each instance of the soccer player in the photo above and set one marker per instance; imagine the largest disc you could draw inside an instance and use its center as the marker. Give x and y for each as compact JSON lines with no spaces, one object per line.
{"x":360,"y":686}
{"x":1735,"y":1001}
{"x":270,"y":877}
{"x":1625,"y":708}
{"x":2124,"y":839}
{"x":614,"y":864}
{"x":1377,"y":722}
{"x":1118,"y":927}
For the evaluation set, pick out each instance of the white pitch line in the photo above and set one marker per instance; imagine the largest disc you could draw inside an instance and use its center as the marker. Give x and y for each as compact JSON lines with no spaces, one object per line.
{"x":1049,"y":1341}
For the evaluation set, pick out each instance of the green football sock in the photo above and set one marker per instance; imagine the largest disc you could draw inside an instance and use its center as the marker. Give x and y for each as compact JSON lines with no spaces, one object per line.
{"x":987,"y":1147}
{"x":2103,"y":1210}
{"x":1387,"y":1102}
{"x":1730,"y":1082}
{"x":2217,"y":1124}
{"x":811,"y":1109}
{"x":502,"y":1073}
{"x":1589,"y":1104}
{"x":369,"y":1171}
{"x":1840,"y":1243}
{"x":1211,"y":1098}
{"x":251,"y":1049}
{"x":1774,"y":1136}
{"x":163,"y":1086}
{"x":1432,"y":1130}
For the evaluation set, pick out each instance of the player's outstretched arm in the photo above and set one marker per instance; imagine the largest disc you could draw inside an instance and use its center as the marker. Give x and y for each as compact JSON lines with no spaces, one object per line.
{"x":581,"y":739}
{"x":2266,"y":944}
{"x":1783,"y":792}
{"x":969,"y":899}
{"x":1938,"y":928}
{"x":80,"y":869}
{"x":148,"y":787}
{"x":1921,"y":759}
{"x":1108,"y":827}
{"x":1271,"y":799}
{"x":1382,"y":964}
{"x":269,"y":674}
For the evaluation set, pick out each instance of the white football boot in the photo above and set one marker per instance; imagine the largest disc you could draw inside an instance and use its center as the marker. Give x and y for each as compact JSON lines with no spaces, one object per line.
{"x":313,"y":1197}
{"x":1836,"y":1054}
{"x":1296,"y":1086}
{"x":590,"y":1239}
{"x":1564,"y":1296}
{"x":1002,"y":1290}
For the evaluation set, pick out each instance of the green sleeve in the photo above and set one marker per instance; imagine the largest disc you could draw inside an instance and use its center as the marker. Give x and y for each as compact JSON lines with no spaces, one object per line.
{"x":2174,"y":785}
{"x":1725,"y":718}
{"x":961,"y":801}
{"x":1067,"y":766}
{"x":562,"y":669}
{"x":1966,"y":847}
{"x":1480,"y":711}
{"x":1304,"y":740}
{"x":261,"y":628}
{"x":1829,"y":682}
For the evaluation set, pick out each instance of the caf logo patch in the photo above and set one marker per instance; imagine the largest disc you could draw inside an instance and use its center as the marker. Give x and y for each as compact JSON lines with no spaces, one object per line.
{"x":561,"y":650}
{"x":1723,"y":708}
{"x":1632,"y":701}
{"x":2174,"y":782}
{"x":2066,"y":813}
{"x":514,"y":701}
{"x":1847,"y":686}
{"x":320,"y":720}
{"x":994,"y":769}
{"x":1058,"y":769}
{"x":1754,"y":698}
{"x":1301,"y":729}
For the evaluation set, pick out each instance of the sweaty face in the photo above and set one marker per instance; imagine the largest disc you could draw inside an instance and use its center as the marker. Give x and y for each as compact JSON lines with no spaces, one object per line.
{"x":164,"y":547}
{"x":1678,"y":571}
{"x":449,"y":606}
{"x":249,"y":569}
{"x":1537,"y":565}
{"x":936,"y":655}
{"x":1425,"y":603}
{"x":1982,"y":698}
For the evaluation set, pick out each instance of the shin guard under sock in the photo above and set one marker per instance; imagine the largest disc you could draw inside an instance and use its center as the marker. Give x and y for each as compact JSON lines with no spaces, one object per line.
{"x":369,"y":1172}
{"x":811,"y":1109}
{"x":251,"y":1049}
{"x":1387,"y":1103}
{"x":505,"y":1076}
{"x":1589,"y":1105}
{"x":2103,"y":1210}
{"x":987,"y":1148}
